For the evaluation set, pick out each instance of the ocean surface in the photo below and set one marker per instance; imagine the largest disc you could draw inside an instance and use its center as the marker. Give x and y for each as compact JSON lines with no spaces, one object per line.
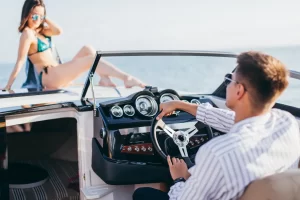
{"x":185,"y":73}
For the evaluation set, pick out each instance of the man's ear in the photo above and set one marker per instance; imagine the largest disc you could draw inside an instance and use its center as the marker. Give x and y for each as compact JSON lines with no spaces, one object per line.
{"x":240,"y":91}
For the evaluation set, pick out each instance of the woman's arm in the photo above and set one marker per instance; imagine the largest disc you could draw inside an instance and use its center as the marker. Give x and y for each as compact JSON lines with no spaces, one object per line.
{"x":24,"y":45}
{"x":51,"y":28}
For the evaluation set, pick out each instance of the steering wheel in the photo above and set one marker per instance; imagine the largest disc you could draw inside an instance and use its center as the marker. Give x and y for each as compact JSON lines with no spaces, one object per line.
{"x":180,"y":138}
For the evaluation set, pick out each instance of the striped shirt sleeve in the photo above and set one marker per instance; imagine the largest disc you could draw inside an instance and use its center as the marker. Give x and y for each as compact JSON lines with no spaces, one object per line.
{"x":217,"y":118}
{"x":206,"y":178}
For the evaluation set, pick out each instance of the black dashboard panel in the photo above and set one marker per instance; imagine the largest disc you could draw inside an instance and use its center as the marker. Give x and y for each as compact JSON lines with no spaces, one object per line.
{"x":124,"y":152}
{"x":122,"y":172}
{"x":139,"y":119}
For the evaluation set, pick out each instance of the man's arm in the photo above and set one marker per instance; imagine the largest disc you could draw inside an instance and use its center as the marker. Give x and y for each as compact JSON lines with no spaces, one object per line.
{"x":206,"y":181}
{"x":217,"y":118}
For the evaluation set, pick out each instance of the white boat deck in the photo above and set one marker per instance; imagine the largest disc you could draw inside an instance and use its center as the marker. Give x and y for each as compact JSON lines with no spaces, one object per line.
{"x":73,"y":94}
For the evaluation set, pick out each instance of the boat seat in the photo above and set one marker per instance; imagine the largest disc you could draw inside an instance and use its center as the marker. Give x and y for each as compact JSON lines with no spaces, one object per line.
{"x":281,"y":186}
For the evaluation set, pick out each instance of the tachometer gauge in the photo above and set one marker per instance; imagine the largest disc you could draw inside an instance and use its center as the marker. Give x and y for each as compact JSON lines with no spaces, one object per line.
{"x":129,"y":110}
{"x":195,"y":101}
{"x":116,"y":111}
{"x":146,"y":105}
{"x":168,"y":97}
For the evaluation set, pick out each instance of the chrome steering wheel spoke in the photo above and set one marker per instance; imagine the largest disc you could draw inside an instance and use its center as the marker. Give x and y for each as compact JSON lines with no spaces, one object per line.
{"x":183,"y":152}
{"x":192,"y":131}
{"x":166,"y":128}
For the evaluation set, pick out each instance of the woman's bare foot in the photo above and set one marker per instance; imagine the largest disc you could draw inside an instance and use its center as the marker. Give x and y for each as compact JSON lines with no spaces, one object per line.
{"x":106,"y":82}
{"x":131,"y":81}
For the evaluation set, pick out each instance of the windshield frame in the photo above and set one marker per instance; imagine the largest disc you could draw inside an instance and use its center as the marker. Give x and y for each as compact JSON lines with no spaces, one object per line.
{"x":100,"y":54}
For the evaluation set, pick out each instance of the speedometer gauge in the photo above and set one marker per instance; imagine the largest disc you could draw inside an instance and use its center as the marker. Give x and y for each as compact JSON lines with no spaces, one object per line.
{"x":195,"y":101}
{"x":146,"y":105}
{"x":168,"y":97}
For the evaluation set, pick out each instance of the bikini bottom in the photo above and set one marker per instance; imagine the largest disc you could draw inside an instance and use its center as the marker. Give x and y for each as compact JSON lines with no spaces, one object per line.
{"x":45,"y":69}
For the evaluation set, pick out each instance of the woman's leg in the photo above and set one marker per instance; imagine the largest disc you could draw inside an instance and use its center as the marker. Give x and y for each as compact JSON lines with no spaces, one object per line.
{"x":63,"y":74}
{"x":107,"y":69}
{"x":90,"y":51}
{"x":14,"y":129}
{"x":85,"y":51}
{"x":19,"y":128}
{"x":104,"y":78}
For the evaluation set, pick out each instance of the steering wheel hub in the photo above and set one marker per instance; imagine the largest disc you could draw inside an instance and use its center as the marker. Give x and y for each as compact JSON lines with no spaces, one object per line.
{"x":180,"y":138}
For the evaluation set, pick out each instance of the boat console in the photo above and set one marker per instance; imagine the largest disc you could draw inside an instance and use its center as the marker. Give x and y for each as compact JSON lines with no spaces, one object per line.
{"x":124,"y":140}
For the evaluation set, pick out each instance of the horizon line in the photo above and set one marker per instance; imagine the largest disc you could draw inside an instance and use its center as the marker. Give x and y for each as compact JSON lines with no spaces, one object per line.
{"x":228,"y":50}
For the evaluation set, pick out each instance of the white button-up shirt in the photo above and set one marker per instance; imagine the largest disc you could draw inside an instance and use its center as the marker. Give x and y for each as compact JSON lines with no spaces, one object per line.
{"x":252,"y":148}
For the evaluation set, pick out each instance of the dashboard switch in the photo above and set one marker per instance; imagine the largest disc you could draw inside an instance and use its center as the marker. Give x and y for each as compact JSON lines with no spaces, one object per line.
{"x":137,"y":149}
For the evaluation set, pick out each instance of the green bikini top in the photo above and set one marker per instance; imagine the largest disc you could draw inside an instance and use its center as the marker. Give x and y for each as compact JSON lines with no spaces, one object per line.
{"x":42,"y":46}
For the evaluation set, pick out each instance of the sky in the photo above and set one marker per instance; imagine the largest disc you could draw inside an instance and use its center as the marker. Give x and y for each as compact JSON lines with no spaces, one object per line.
{"x":160,"y":24}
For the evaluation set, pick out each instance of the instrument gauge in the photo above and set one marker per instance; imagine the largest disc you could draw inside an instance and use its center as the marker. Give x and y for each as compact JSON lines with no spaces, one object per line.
{"x":116,"y":111}
{"x":168,"y":97}
{"x":146,"y":105}
{"x":195,"y":101}
{"x":129,"y":110}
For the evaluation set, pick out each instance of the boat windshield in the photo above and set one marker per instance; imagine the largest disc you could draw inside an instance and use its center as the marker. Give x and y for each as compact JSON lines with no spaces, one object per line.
{"x":196,"y":73}
{"x":193,"y":74}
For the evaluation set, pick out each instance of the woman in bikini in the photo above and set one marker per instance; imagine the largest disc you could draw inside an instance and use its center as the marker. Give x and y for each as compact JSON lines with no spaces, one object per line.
{"x":35,"y":45}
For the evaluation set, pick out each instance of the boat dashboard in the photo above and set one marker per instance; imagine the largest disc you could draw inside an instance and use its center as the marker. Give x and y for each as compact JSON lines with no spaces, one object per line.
{"x":140,"y":108}
{"x":123,"y":148}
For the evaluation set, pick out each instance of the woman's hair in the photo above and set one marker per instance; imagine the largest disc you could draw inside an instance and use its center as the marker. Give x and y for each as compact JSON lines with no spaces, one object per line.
{"x":28,"y":6}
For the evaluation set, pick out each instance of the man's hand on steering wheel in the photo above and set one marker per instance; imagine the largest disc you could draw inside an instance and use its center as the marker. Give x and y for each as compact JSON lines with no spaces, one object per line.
{"x":178,"y":168}
{"x":167,"y":109}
